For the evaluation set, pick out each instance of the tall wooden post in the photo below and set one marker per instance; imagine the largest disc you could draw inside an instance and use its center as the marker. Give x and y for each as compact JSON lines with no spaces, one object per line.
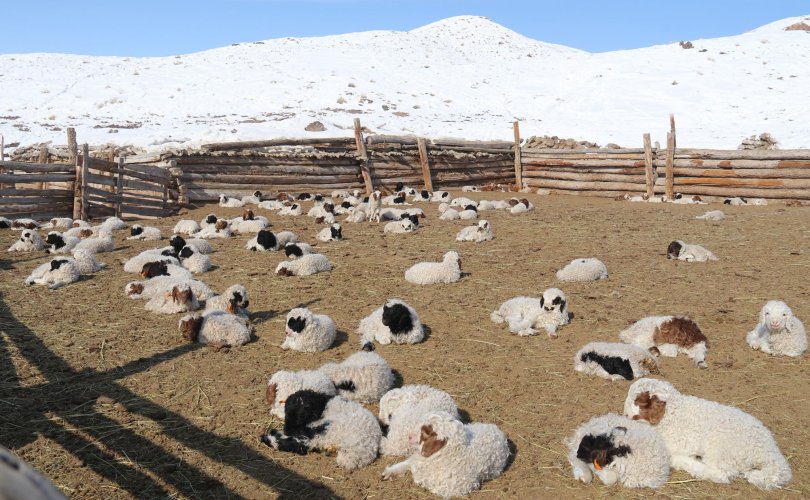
{"x":119,"y":187}
{"x":43,"y":158}
{"x":672,"y":129}
{"x":2,"y":159}
{"x":365,"y":169}
{"x":648,"y":166}
{"x":85,"y":168}
{"x":424,"y":162}
{"x":518,"y":160}
{"x":670,"y":180}
{"x":73,"y":158}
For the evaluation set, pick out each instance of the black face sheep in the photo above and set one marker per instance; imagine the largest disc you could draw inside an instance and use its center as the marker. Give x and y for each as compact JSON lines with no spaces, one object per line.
{"x":403,"y":410}
{"x":689,"y":253}
{"x":148,"y":233}
{"x":56,"y":273}
{"x":363,"y":376}
{"x":29,"y":241}
{"x":234,"y":300}
{"x":615,"y":361}
{"x":779,"y":332}
{"x":295,"y":250}
{"x":395,"y":322}
{"x":526,"y":315}
{"x":318,"y":421}
{"x":5,"y":223}
{"x":209,"y":220}
{"x":667,"y":336}
{"x":228,"y":202}
{"x":194,"y":261}
{"x":285,"y":383}
{"x":331,"y":233}
{"x":59,"y":243}
{"x":253,"y":199}
{"x":293,"y":210}
{"x":308,"y":332}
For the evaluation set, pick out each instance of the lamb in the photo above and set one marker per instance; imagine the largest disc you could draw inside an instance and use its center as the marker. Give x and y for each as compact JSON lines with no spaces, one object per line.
{"x":59,"y":243}
{"x":526,"y":315}
{"x":448,"y":213}
{"x":20,"y":224}
{"x":219,"y":230}
{"x":403,"y":410}
{"x":85,"y":261}
{"x":139,"y":232}
{"x":429,"y":273}
{"x":470,"y":212}
{"x":196,"y":244}
{"x":440,"y":197}
{"x":340,"y":193}
{"x":304,"y":266}
{"x":208,"y":220}
{"x":374,"y":206}
{"x":194,"y":261}
{"x":736,"y":201}
{"x":308,"y":332}
{"x":394,"y":322}
{"x":161,"y":268}
{"x":779,"y":332}
{"x":265,"y":240}
{"x":295,"y":250}
{"x":667,"y":336}
{"x":688,"y":200}
{"x":454,"y":458}
{"x":399,"y":226}
{"x":617,"y":449}
{"x":327,"y":208}
{"x":470,"y":189}
{"x":590,"y":269}
{"x":177,"y":300}
{"x":271,"y":205}
{"x":147,"y":289}
{"x":253,"y":199}
{"x":493,"y":205}
{"x":113,"y":224}
{"x":520,"y":206}
{"x":362,"y":377}
{"x":423,"y":195}
{"x":357,"y":214}
{"x":136,"y":263}
{"x":57,"y":273}
{"x":234,"y":300}
{"x":479,"y":233}
{"x":615,"y":361}
{"x":315,"y":421}
{"x":227,"y":202}
{"x":63,"y":223}
{"x":29,"y":241}
{"x":214,"y":327}
{"x":102,"y":243}
{"x":284,"y":383}
{"x":690,"y":253}
{"x":396,"y":199}
{"x":294,"y":210}
{"x":712,"y":215}
{"x":331,"y":233}
{"x":462,"y":202}
{"x":187,"y":227}
{"x":706,"y":439}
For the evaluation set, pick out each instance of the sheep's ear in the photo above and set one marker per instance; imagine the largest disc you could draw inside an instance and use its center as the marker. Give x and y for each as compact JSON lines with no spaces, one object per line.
{"x":175,"y":295}
{"x":542,"y":301}
{"x":430,"y":442}
{"x":650,"y":407}
{"x":270,"y":394}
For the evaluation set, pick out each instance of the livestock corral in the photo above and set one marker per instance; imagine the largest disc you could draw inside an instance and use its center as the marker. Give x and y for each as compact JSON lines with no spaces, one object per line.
{"x":108,"y":399}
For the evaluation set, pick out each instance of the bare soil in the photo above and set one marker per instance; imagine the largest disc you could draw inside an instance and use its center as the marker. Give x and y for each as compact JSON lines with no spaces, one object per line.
{"x":181,"y":420}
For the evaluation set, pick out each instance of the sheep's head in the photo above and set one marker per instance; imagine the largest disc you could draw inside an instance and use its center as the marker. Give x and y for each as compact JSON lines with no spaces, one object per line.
{"x":329,"y":208}
{"x":282,"y":196}
{"x":283,"y":270}
{"x":297,"y":321}
{"x":190,"y":327}
{"x":453,"y":257}
{"x":650,"y":408}
{"x":152,"y":269}
{"x":775,"y":315}
{"x":222,"y":198}
{"x":293,"y":251}
{"x":647,"y":400}
{"x":182,"y":295}
{"x":397,"y":318}
{"x":86,"y":233}
{"x":651,"y":365}
{"x":600,"y":450}
{"x":336,"y":232}
{"x":553,"y":299}
{"x":55,"y":239}
{"x":258,"y":195}
{"x":136,"y":230}
{"x":429,"y":441}
{"x":221,"y":225}
{"x":77,"y":223}
{"x":177,"y":242}
{"x":674,"y":249}
{"x":266,"y":239}
{"x":57,"y":263}
{"x":376,"y":195}
{"x":186,"y":252}
{"x":211,"y":219}
{"x":239,"y":294}
{"x":133,"y":288}
{"x":248,"y":214}
{"x":513,"y":202}
{"x":483,"y":225}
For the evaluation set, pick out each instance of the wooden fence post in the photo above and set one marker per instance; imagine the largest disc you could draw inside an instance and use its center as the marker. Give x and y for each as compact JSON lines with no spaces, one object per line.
{"x":365,"y":169}
{"x":518,"y":160}
{"x":43,"y":158}
{"x":672,"y":129}
{"x":182,"y":190}
{"x":2,"y":158}
{"x":85,"y":166}
{"x":648,"y":166}
{"x":119,"y":188}
{"x":670,"y":180}
{"x":425,"y":163}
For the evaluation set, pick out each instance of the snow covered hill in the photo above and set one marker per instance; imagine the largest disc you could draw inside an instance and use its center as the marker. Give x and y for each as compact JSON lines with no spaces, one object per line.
{"x":464,"y":77}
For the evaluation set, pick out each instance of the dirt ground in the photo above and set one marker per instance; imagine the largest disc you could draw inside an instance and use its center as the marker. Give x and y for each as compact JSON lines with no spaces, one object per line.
{"x":182,"y":420}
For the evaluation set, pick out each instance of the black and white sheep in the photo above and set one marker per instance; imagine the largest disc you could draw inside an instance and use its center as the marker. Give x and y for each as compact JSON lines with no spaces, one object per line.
{"x":228,"y":202}
{"x":615,"y":361}
{"x":526,"y":315}
{"x":331,"y":233}
{"x":689,"y":253}
{"x":145,"y":233}
{"x":394,"y":322}
{"x":363,"y":376}
{"x":59,"y":243}
{"x":194,"y":261}
{"x":297,"y":249}
{"x":29,"y":241}
{"x":283,"y":384}
{"x":667,"y":336}
{"x":266,"y":240}
{"x":306,"y":331}
{"x":57,"y":273}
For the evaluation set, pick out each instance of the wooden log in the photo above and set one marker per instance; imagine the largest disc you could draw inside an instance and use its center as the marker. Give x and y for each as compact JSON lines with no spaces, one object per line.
{"x":102,"y":165}
{"x":267,"y":179}
{"x":147,"y":177}
{"x":129,"y":201}
{"x":2,"y":159}
{"x":563,"y":162}
{"x":588,"y":151}
{"x":35,"y":178}
{"x":272,"y":169}
{"x":749,"y":192}
{"x":672,"y":130}
{"x":85,"y":169}
{"x":749,"y":182}
{"x":41,"y":193}
{"x":741,"y":164}
{"x":38,"y":214}
{"x":502,"y":145}
{"x":36,"y":168}
{"x":33,"y":200}
{"x":77,"y":190}
{"x":723,"y":154}
{"x":365,"y":168}
{"x":424,"y":162}
{"x":398,"y":139}
{"x":472,"y":149}
{"x":224,"y":146}
{"x":754,"y":173}
{"x":119,"y":185}
{"x":147,"y":212}
{"x":649,"y":174}
{"x":249,"y":188}
{"x":670,"y":178}
{"x":99,"y":180}
{"x":586,"y":186}
{"x":136,"y":185}
{"x":640,"y":179}
{"x":592,"y":194}
{"x":518,"y":159}
{"x":587,"y":170}
{"x":158,"y":173}
{"x":43,"y":158}
{"x":73,"y":146}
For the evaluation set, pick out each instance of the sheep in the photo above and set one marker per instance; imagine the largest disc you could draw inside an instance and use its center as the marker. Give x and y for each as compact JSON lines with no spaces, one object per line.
{"x":283,"y":384}
{"x":454,"y":458}
{"x":712,"y":215}
{"x":526,"y":315}
{"x":398,"y":199}
{"x":690,"y":253}
{"x":362,"y":377}
{"x":688,"y":200}
{"x":147,"y":289}
{"x":265,"y":240}
{"x":429,"y":273}
{"x":304,"y":266}
{"x":139,"y":232}
{"x":100,"y":244}
{"x":440,"y":197}
{"x":399,"y":227}
{"x":667,"y":336}
{"x":187,"y":227}
{"x":374,"y":206}
{"x":394,"y":322}
{"x":57,"y":273}
{"x":616,"y":449}
{"x":403,"y":409}
{"x":227,"y":202}
{"x":214,"y":327}
{"x":470,"y":189}
{"x":196,"y":244}
{"x":331,"y":233}
{"x":220,"y":229}
{"x":615,"y":361}
{"x":462,"y":202}
{"x":59,"y":243}
{"x":448,"y":213}
{"x":5,"y":223}
{"x":306,"y":331}
{"x":208,"y":220}
{"x":20,"y":224}
{"x":248,"y":223}
{"x":779,"y":332}
{"x":161,"y":268}
{"x":340,"y":193}
{"x":520,"y":206}
{"x":706,"y":439}
{"x":29,"y":241}
{"x":271,"y":205}
{"x":85,"y":261}
{"x":479,"y":233}
{"x":357,"y":214}
{"x":136,"y":263}
{"x":234,"y":300}
{"x":344,"y":208}
{"x":294,"y":210}
{"x":470,"y":212}
{"x":194,"y":261}
{"x":63,"y":223}
{"x":322,"y":210}
{"x":735,"y":201}
{"x":315,"y":421}
{"x":492,"y":205}
{"x":177,"y":300}
{"x":253,"y":199}
{"x":589,"y":269}
{"x":757,"y":202}
{"x":295,"y":250}
{"x":423,"y":195}
{"x":113,"y":224}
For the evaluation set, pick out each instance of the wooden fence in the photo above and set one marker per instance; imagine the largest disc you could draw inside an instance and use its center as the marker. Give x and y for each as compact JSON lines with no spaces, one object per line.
{"x":36,"y":190}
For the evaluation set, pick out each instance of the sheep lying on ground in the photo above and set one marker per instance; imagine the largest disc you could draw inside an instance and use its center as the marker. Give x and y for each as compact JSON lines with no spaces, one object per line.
{"x":225,"y":201}
{"x":208,"y":220}
{"x":478,"y":233}
{"x":214,"y":327}
{"x":448,"y":213}
{"x":429,"y":273}
{"x":20,"y":224}
{"x":315,"y":421}
{"x":187,"y":227}
{"x":779,"y":332}
{"x":285,"y":383}
{"x":400,"y":227}
{"x":667,"y":336}
{"x":363,"y":376}
{"x":736,"y":201}
{"x":113,"y":224}
{"x":135,"y":264}
{"x":470,"y":189}
{"x":395,"y":322}
{"x":295,"y":250}
{"x":147,"y":233}
{"x":493,"y":205}
{"x":615,"y":361}
{"x":706,"y":439}
{"x":248,"y":223}
{"x":194,"y":261}
{"x":29,"y":241}
{"x":147,"y":289}
{"x":470,"y":212}
{"x":253,"y":199}
{"x":152,"y":269}
{"x":62,"y":223}
{"x":304,"y":266}
{"x":200,"y":246}
{"x":265,"y":240}
{"x":688,"y":200}
{"x":526,"y":315}
{"x":234,"y":300}
{"x":690,"y":253}
{"x":59,"y":243}
{"x":357,"y":214}
{"x":403,"y":410}
{"x":440,"y":197}
{"x":219,"y":230}
{"x":617,"y":449}
{"x":308,"y":332}
{"x":331,"y":233}
{"x":454,"y":458}
{"x":5,"y":223}
{"x":462,"y":202}
{"x":520,"y":206}
{"x":712,"y":215}
{"x":293,"y":210}
{"x":103,"y":242}
{"x":57,"y":273}
{"x":179,"y":299}
{"x":590,"y":269}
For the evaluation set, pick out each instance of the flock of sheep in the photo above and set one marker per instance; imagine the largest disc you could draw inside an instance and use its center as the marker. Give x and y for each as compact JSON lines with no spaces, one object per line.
{"x":322,"y":409}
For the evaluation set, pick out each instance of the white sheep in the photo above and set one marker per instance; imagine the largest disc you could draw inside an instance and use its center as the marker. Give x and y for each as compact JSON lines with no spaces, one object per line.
{"x":590,"y":269}
{"x":234,"y":300}
{"x":331,"y":233}
{"x":253,"y":199}
{"x":429,"y":273}
{"x":197,"y":244}
{"x":147,"y":289}
{"x":420,"y":196}
{"x":667,"y":336}
{"x":616,"y":449}
{"x":283,"y":384}
{"x":146,"y":233}
{"x":615,"y":361}
{"x":714,"y":215}
{"x":520,"y":206}
{"x":706,"y":439}
{"x":394,"y":322}
{"x":266,"y":240}
{"x":101,"y":243}
{"x":187,"y":227}
{"x":85,"y":261}
{"x":357,"y":214}
{"x":363,"y":376}
{"x":194,"y":261}
{"x":526,"y":315}
{"x":57,"y":273}
{"x":479,"y":233}
{"x":778,"y":332}
{"x":399,"y":227}
{"x":454,"y":458}
{"x":29,"y":241}
{"x":304,"y":266}
{"x":735,"y":201}
{"x":462,"y":202}
{"x":297,"y":249}
{"x":448,"y":213}
{"x":221,"y":229}
{"x":403,"y":411}
{"x":340,"y":193}
{"x":374,"y":206}
{"x":248,"y":223}
{"x":214,"y":327}
{"x":228,"y":202}
{"x":59,"y":243}
{"x":271,"y":205}
{"x":687,"y":200}
{"x":306,"y":331}
{"x":113,"y":224}
{"x":177,"y":300}
{"x":690,"y":253}
{"x":63,"y":223}
{"x":293,"y":210}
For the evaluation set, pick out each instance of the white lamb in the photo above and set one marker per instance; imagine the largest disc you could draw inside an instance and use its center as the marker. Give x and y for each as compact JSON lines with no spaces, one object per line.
{"x":712,"y":215}
{"x":470,"y":189}
{"x":357,"y":214}
{"x":214,"y":327}
{"x":219,"y":230}
{"x":293,"y":210}
{"x":462,"y":202}
{"x":395,"y":322}
{"x":147,"y":289}
{"x":526,"y":315}
{"x":194,"y":261}
{"x":271,"y":205}
{"x":667,"y":336}
{"x":57,"y":273}
{"x":187,"y":227}
{"x":147,"y":233}
{"x":429,"y":273}
{"x":690,"y":253}
{"x":617,"y":449}
{"x":234,"y":300}
{"x":29,"y":241}
{"x":520,"y":206}
{"x":590,"y":269}
{"x":58,"y":223}
{"x":779,"y":332}
{"x":448,"y":213}
{"x":363,"y":376}
{"x":228,"y":202}
{"x":706,"y":439}
{"x":374,"y":206}
{"x":454,"y":458}
{"x":136,"y":263}
{"x":470,"y":212}
{"x":399,"y":227}
{"x":304,"y":266}
{"x":479,"y":233}
{"x":253,"y":199}
{"x":113,"y":224}
{"x":308,"y":332}
{"x":403,"y":410}
{"x":101,"y":243}
{"x":20,"y":224}
{"x":440,"y":197}
{"x":331,"y":233}
{"x":284,"y":383}
{"x":615,"y":361}
{"x":177,"y":300}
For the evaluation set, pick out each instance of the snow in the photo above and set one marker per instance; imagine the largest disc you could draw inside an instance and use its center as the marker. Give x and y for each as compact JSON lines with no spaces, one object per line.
{"x":464,"y":77}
